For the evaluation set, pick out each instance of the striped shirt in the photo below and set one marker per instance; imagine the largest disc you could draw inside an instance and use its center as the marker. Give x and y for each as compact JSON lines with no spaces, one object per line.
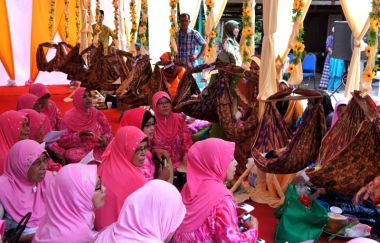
{"x":187,"y":43}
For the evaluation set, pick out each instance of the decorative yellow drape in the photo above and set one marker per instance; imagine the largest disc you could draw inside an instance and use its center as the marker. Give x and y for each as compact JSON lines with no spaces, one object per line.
{"x":192,"y":8}
{"x":40,"y":29}
{"x":84,"y":25}
{"x":270,"y":188}
{"x":71,"y":24}
{"x":356,"y":13}
{"x":267,"y":80}
{"x":128,"y":18}
{"x":6,"y":53}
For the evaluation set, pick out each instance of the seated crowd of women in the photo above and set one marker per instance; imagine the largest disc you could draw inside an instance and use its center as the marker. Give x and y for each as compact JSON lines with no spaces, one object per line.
{"x":127,"y":198}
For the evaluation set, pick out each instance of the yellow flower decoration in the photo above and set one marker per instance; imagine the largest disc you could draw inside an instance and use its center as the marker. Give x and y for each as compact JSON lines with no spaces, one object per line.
{"x":296,"y":5}
{"x":212,"y":34}
{"x":302,"y":4}
{"x":134,"y":26}
{"x":291,"y":68}
{"x":247,"y":12}
{"x":174,"y":2}
{"x":368,"y":75}
{"x":143,"y":40}
{"x":375,"y":24}
{"x":247,"y":31}
{"x":172,"y":31}
{"x":368,"y":51}
{"x":301,"y":25}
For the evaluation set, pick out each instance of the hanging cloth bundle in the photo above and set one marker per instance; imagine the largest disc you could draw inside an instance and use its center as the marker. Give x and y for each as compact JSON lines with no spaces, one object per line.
{"x":136,"y":89}
{"x":349,"y":155}
{"x":61,"y":50}
{"x":273,"y":135}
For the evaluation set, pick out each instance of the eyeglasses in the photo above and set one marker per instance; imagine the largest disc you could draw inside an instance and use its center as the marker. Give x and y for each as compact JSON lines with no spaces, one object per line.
{"x":150,"y":124}
{"x":141,"y":150}
{"x":42,"y":159}
{"x":166,"y":102}
{"x":98,"y":185}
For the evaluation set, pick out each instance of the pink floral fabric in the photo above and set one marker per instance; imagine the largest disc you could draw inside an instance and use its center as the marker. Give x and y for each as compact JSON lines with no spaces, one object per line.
{"x":148,"y":168}
{"x":76,"y":148}
{"x":220,"y":226}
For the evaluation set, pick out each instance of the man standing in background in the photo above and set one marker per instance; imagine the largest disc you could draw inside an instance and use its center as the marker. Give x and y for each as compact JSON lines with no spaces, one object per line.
{"x":187,"y":42}
{"x":105,"y":33}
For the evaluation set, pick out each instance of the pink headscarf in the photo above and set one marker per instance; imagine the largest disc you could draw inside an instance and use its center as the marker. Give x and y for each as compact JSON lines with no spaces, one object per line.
{"x":70,"y":211}
{"x":37,"y":121}
{"x":78,"y":118}
{"x":50,"y":108}
{"x":335,"y":115}
{"x":166,"y":126}
{"x":26,"y":101}
{"x":10,"y":131}
{"x":207,"y":165}
{"x":149,"y":214}
{"x":119,"y":175}
{"x":133,"y":117}
{"x":16,"y":194}
{"x":38,"y":89}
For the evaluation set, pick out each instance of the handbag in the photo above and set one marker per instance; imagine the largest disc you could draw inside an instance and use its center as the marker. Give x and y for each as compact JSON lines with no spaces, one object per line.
{"x":298,"y":222}
{"x":13,"y":235}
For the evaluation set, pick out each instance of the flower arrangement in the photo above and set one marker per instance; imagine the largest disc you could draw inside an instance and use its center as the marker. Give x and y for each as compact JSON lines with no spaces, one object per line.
{"x":89,"y":22}
{"x":66,"y":22}
{"x":296,"y":43}
{"x":51,"y":19}
{"x":77,"y":19}
{"x":115,"y":4}
{"x":247,"y":43}
{"x":97,"y":29}
{"x":132,"y":38}
{"x":143,"y":26}
{"x":173,"y":28}
{"x":210,"y":32}
{"x":371,"y":49}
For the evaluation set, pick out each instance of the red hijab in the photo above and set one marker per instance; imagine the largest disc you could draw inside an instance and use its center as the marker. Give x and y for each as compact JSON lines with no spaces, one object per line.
{"x":167,"y":127}
{"x":38,"y":123}
{"x":79,"y":118}
{"x":207,"y":165}
{"x":118,"y":174}
{"x":10,"y":130}
{"x":26,"y":101}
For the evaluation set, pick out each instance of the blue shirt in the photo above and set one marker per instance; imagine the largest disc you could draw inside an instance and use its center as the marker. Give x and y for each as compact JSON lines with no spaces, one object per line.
{"x":187,"y":43}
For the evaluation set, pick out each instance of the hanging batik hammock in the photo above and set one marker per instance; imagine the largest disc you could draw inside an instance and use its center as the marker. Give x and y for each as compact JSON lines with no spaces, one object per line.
{"x":61,"y":50}
{"x":273,"y":135}
{"x":349,"y":155}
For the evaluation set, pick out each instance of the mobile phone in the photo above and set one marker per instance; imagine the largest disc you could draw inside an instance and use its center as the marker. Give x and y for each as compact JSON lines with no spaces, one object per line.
{"x":164,"y":162}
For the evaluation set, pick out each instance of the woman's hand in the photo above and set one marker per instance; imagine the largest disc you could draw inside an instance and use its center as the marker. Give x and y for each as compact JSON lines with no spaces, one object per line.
{"x":103,"y":140}
{"x":253,"y":223}
{"x":161,"y":153}
{"x":163,"y":173}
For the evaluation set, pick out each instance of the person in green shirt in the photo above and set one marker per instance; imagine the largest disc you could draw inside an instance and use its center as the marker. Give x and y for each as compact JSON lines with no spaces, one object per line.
{"x":105,"y":33}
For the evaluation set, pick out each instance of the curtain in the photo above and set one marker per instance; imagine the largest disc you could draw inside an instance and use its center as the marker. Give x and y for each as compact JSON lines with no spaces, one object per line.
{"x":267,"y":80}
{"x":192,"y":8}
{"x":40,"y":30}
{"x":356,"y":13}
{"x":6,"y":53}
{"x":158,"y":10}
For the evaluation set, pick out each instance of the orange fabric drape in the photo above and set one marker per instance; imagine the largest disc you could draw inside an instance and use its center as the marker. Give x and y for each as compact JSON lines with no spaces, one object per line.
{"x":6,"y":53}
{"x":40,"y":29}
{"x":71,"y":27}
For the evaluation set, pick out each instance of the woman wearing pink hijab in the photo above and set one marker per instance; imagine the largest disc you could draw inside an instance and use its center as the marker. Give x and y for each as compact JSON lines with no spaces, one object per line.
{"x":120,"y":173}
{"x":171,"y":133}
{"x":27,"y":101}
{"x":14,"y":126}
{"x":73,"y":197}
{"x":144,"y":120}
{"x":88,"y":129}
{"x":150,"y":214}
{"x":210,"y":209}
{"x":39,"y":124}
{"x":23,"y":185}
{"x":47,"y":106}
{"x":339,"y":108}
